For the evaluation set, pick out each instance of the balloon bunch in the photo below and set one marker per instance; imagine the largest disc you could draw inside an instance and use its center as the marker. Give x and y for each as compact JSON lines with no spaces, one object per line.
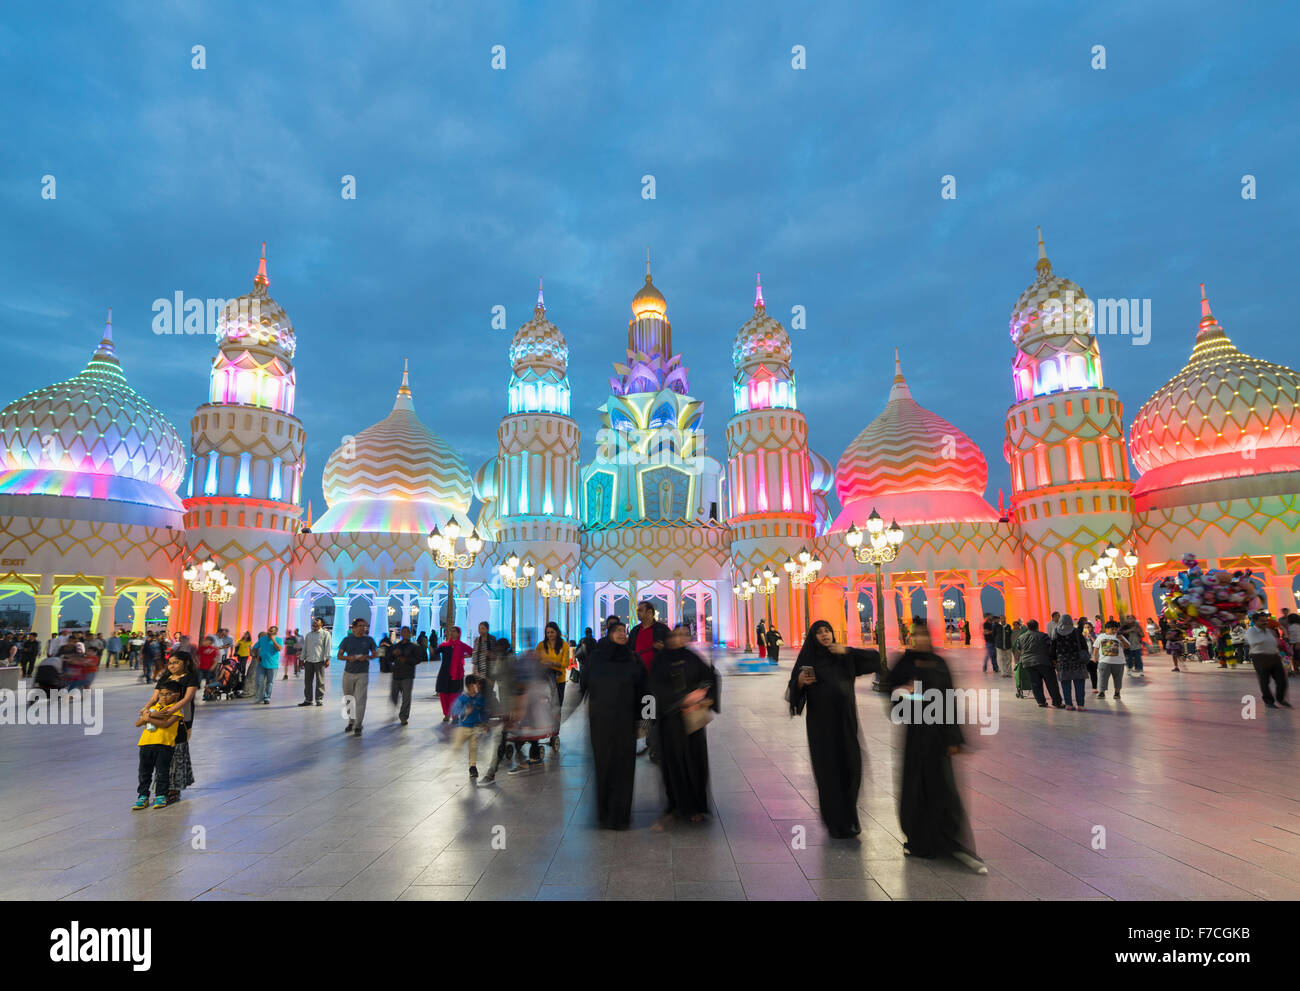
{"x":1213,"y":599}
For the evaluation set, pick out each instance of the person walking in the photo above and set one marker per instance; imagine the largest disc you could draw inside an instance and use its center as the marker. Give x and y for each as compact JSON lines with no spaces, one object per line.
{"x":774,"y":642}
{"x":29,"y":652}
{"x":1003,"y":639}
{"x":647,"y":638}
{"x":1084,"y":625}
{"x":761,"y":631}
{"x":930,"y":809}
{"x":499,"y":700}
{"x":613,"y":685}
{"x":356,"y":651}
{"x":113,"y":645}
{"x":685,"y":689}
{"x":291,"y":654}
{"x":1035,"y":649}
{"x":553,"y":652}
{"x":990,"y":643}
{"x":315,"y":662}
{"x":1266,"y":658}
{"x":268,"y":661}
{"x":1130,"y":631}
{"x":481,"y":657}
{"x":1108,"y":652}
{"x":1070,"y":658}
{"x":451,"y":672}
{"x":404,"y":656}
{"x":823,"y":683}
{"x":151,"y":655}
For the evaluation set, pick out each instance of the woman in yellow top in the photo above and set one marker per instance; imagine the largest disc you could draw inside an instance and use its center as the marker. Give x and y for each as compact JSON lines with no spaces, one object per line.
{"x":553,"y":652}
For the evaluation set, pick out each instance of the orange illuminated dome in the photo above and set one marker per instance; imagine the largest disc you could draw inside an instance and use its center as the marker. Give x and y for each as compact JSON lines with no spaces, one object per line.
{"x":1224,"y":419}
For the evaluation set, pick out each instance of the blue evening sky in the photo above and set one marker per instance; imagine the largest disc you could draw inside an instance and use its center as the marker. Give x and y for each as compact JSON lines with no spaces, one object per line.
{"x":472,"y":182}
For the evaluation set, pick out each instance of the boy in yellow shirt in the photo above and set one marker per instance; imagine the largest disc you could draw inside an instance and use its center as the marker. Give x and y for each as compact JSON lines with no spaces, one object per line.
{"x":157,"y":743}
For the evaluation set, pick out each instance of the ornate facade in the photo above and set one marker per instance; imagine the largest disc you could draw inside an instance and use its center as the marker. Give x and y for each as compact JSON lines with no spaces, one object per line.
{"x":99,"y":502}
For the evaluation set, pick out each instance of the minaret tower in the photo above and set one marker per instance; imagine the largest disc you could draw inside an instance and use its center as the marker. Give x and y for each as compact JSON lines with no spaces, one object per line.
{"x":1070,"y":484}
{"x":536,"y":470}
{"x":241,"y":500}
{"x":770,"y":503}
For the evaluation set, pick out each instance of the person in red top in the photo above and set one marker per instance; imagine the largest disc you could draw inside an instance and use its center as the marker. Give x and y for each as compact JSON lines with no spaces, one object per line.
{"x":451,"y":675}
{"x":648,"y":638}
{"x":208,"y":660}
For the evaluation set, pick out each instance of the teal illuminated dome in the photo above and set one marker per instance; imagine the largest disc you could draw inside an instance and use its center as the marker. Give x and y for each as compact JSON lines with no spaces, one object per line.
{"x":538,"y":344}
{"x":91,"y":437}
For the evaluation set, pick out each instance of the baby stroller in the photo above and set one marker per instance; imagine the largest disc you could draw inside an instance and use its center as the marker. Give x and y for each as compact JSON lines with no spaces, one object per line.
{"x":228,"y":683}
{"x":534,"y":714}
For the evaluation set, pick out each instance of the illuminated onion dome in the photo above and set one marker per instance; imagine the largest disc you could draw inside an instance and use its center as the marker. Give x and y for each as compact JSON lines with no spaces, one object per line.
{"x":761,"y":355}
{"x":1225,"y":415}
{"x":255,"y":318}
{"x":649,"y":301}
{"x":92,"y":437}
{"x":821,"y":481}
{"x":1052,"y":329}
{"x":911,"y":465}
{"x":397,"y":476}
{"x":539,"y":357}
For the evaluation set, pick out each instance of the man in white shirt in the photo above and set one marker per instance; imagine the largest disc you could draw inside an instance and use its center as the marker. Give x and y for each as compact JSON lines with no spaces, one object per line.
{"x":1266,"y":656}
{"x":1108,"y":653}
{"x":1052,"y":624}
{"x":315,"y":659}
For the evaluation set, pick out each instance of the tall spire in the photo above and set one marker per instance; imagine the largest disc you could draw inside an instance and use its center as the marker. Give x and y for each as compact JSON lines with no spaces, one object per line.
{"x":1208,"y":327}
{"x":647,"y":264}
{"x":262,"y":279}
{"x":758,"y":293}
{"x":1044,"y":266}
{"x":899,"y":390}
{"x":404,"y":392}
{"x":540,"y":308}
{"x":106,"y":350}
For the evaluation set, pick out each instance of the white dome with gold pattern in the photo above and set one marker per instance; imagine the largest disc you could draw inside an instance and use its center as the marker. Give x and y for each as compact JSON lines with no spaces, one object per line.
{"x":397,"y":476}
{"x":1051,"y":311}
{"x":1225,"y":415}
{"x":538,"y":343}
{"x":257,"y":319}
{"x":762,"y":339}
{"x":91,"y":437}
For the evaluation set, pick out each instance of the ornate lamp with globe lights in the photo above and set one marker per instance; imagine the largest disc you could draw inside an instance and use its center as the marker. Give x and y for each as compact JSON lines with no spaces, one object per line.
{"x":506,"y":569}
{"x":744,"y":591}
{"x":209,"y":581}
{"x":879,"y":545}
{"x":765,"y":583}
{"x":548,"y":587}
{"x":446,"y":555}
{"x":803,"y":571}
{"x":1106,"y":569}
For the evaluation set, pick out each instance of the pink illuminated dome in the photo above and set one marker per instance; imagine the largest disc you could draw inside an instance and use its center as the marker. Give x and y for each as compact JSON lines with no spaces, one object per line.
{"x":1227,"y":425}
{"x":93,"y":437}
{"x":911,"y":465}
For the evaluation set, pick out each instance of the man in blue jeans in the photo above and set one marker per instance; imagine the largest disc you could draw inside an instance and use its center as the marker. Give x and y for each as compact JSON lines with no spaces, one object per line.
{"x":1131,"y":634}
{"x":268,"y":652}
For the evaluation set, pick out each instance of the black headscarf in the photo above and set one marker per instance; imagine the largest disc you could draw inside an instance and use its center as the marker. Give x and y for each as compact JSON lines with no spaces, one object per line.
{"x":811,"y":654}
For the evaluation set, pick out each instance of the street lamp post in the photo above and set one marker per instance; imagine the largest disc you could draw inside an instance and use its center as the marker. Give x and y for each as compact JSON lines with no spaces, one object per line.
{"x":569,"y":593}
{"x":445,"y":555}
{"x":1107,"y":569}
{"x":803,"y":572}
{"x":548,"y":588}
{"x":766,"y":584}
{"x":208,"y":581}
{"x":507,"y":572}
{"x":744,"y":591}
{"x":881,"y":547}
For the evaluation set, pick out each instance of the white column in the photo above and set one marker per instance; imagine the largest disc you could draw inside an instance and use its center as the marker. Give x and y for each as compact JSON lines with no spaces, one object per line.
{"x":340,"y":620}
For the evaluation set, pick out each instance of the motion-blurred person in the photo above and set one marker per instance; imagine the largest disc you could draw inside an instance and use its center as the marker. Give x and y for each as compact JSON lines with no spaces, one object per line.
{"x":1266,"y":658}
{"x":614,"y":683}
{"x":404,"y":655}
{"x":554,"y":654}
{"x":534,"y":712}
{"x":451,"y":673}
{"x":685,"y":688}
{"x":470,"y":714}
{"x":1003,"y":638}
{"x":929,"y":807}
{"x":823,"y":681}
{"x":647,"y":638}
{"x":498,"y":690}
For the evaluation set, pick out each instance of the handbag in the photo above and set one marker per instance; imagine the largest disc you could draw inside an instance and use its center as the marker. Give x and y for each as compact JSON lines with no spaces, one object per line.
{"x":697,"y":717}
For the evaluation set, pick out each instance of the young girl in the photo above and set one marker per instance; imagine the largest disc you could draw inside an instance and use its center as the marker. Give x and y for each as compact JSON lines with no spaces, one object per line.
{"x":182,"y":678}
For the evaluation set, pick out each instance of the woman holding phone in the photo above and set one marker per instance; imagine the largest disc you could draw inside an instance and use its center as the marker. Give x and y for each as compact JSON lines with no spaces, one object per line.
{"x":823,"y":682}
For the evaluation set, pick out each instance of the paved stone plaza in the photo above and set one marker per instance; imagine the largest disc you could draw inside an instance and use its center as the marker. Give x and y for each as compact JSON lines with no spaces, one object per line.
{"x":1196,"y":803}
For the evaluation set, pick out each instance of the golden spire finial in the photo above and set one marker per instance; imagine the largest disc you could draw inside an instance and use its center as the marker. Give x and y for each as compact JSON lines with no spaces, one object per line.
{"x":647,"y":264}
{"x":262,"y":279}
{"x":758,"y":292}
{"x":1043,"y":266}
{"x":540,"y":308}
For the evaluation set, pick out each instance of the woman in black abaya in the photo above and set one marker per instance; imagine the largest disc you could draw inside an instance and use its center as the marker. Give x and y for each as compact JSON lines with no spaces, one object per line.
{"x":823,"y":681}
{"x":929,"y":807}
{"x":614,"y":685}
{"x":681,"y":680}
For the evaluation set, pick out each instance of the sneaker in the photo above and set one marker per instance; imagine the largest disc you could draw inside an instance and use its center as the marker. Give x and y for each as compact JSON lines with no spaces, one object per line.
{"x":320,"y":703}
{"x":1058,"y":705}
{"x":1284,"y":703}
{"x":347,"y":728}
{"x":160,"y":802}
{"x":1100,"y":695}
{"x":302,"y":704}
{"x":1117,"y":698}
{"x":404,"y":722}
{"x":1069,"y":708}
{"x":974,"y":863}
{"x":1042,"y":705}
{"x":357,"y":731}
{"x":140,"y":803}
{"x":518,"y":769}
{"x":473,"y":771}
{"x":488,"y":778}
